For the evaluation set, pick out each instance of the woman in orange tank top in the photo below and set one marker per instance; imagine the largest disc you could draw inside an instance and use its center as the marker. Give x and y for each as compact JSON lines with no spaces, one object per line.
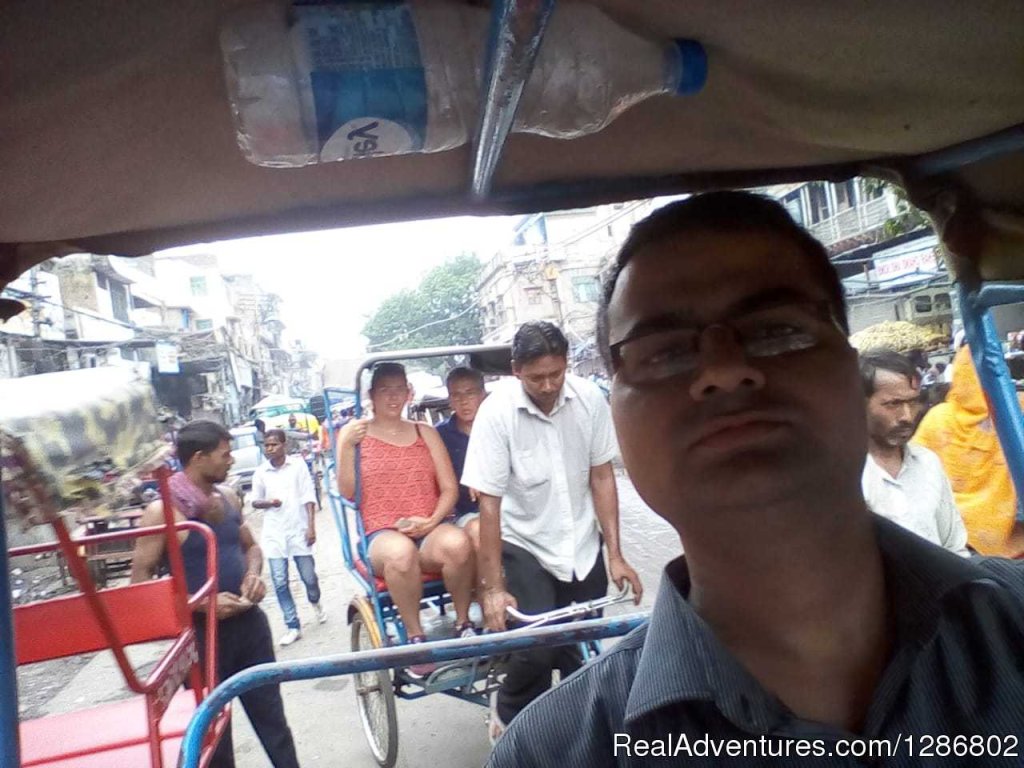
{"x":408,"y":493}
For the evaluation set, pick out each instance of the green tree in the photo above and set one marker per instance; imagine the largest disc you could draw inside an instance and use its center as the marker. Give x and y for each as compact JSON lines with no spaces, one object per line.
{"x":441,"y":312}
{"x":908,"y":216}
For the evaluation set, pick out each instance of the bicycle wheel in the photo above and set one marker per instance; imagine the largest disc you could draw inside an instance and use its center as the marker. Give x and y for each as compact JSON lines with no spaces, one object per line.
{"x":375,"y":695}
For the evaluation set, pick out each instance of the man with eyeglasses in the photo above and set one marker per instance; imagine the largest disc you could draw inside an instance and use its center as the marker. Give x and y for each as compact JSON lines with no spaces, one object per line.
{"x":466,"y":392}
{"x":797,"y":622}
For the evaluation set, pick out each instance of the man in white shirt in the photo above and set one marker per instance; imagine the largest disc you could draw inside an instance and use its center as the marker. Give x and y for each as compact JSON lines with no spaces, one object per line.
{"x":540,"y":458}
{"x":902,"y":481}
{"x":282,"y":487}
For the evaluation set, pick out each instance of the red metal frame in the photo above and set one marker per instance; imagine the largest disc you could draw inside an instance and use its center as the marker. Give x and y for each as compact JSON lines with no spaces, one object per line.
{"x":114,"y":618}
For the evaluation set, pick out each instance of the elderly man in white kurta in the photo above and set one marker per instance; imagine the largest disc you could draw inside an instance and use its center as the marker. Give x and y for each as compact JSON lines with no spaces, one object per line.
{"x":283,"y":489}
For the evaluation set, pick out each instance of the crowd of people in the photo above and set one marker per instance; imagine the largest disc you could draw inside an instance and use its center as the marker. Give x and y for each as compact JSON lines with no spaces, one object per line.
{"x":847,"y":569}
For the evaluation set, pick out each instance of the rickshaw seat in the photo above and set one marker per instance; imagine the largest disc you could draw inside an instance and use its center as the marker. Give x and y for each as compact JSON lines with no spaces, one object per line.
{"x":82,"y":738}
{"x":131,"y":756}
{"x":428,"y":578}
{"x":158,"y":710}
{"x":66,"y":626}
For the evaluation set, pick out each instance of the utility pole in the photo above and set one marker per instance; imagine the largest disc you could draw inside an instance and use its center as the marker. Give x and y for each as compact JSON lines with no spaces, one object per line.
{"x":35,"y":309}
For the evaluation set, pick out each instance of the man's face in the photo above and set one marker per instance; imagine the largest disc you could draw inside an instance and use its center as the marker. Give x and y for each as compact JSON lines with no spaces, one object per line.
{"x":465,"y":395}
{"x":292,"y":421}
{"x":273,"y":448}
{"x":214,"y":465}
{"x":542,"y":379}
{"x":893,"y":409}
{"x":736,"y":429}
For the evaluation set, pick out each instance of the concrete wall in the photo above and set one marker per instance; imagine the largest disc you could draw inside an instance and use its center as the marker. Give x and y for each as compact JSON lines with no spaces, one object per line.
{"x":77,"y":282}
{"x":176,"y":274}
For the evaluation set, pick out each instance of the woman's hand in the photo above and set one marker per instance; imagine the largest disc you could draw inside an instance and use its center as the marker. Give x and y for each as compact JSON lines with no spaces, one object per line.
{"x":416,"y":527}
{"x":353,"y":433}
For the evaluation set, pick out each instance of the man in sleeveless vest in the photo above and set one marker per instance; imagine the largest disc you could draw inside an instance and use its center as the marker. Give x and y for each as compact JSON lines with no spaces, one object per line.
{"x":243,"y":633}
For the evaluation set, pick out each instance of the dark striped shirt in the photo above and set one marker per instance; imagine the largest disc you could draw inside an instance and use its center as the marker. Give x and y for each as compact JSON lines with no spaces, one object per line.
{"x":951,"y":695}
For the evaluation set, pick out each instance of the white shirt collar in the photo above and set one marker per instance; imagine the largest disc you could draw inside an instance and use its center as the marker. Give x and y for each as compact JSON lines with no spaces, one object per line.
{"x":270,"y":465}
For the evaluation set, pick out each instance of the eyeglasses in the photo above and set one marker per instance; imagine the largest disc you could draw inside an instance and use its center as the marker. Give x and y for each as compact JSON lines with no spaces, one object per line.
{"x":468,"y":395}
{"x":769,"y":332}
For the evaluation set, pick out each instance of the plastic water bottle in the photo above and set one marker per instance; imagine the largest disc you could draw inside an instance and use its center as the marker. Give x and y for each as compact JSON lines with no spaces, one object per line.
{"x":320,"y":82}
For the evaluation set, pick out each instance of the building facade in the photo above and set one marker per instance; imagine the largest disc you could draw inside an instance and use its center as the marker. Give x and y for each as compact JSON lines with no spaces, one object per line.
{"x":888,"y":274}
{"x":552,"y":271}
{"x":213,"y":341}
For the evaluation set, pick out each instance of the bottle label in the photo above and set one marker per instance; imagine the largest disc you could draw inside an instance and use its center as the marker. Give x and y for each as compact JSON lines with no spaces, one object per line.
{"x":369,"y":88}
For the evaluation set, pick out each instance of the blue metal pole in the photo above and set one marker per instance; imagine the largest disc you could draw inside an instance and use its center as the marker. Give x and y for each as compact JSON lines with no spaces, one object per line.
{"x":385,"y":658}
{"x":517,"y":27}
{"x":987,"y":354}
{"x":9,"y":744}
{"x":996,"y":294}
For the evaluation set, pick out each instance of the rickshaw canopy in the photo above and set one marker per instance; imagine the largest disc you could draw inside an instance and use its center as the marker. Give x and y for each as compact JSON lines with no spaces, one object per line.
{"x":118,"y":136}
{"x":77,"y":439}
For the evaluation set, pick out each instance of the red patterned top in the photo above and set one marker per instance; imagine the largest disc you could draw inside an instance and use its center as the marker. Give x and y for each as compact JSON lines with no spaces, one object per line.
{"x":398,"y":481}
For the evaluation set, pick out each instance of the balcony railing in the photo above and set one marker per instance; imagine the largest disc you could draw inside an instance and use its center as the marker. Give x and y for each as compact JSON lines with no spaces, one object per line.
{"x":851,"y":222}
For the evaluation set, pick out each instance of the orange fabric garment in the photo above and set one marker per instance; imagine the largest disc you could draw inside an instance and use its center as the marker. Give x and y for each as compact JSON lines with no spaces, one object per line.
{"x":398,"y":481}
{"x":961,"y":432}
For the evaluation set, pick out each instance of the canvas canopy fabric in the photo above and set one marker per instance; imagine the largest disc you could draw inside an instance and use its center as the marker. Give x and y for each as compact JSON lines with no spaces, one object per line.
{"x":76,"y":439}
{"x":118,"y":136}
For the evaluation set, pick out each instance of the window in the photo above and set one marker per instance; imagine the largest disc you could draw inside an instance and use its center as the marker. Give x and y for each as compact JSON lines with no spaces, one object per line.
{"x":796,"y":210}
{"x":533,"y":296}
{"x":943,"y":302}
{"x":818,"y":196}
{"x":119,"y":301}
{"x":586,"y":288}
{"x":844,"y":195}
{"x":198,"y":285}
{"x":204,"y":325}
{"x":923,"y":303}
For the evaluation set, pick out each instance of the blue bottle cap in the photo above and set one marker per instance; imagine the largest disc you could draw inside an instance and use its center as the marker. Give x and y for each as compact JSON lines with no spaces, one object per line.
{"x":693,"y":66}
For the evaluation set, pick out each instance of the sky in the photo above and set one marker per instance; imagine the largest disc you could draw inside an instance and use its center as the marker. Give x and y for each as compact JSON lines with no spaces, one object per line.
{"x":331,"y":281}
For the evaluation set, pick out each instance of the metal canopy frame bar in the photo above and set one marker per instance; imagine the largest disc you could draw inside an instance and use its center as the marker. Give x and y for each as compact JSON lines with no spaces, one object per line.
{"x":969,"y":152}
{"x":517,"y":28}
{"x":394,"y":356}
{"x":388,"y":658}
{"x":996,"y":294}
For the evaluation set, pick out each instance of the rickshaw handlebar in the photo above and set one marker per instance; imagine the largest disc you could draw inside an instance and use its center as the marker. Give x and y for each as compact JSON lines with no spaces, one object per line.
{"x":573,"y":611}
